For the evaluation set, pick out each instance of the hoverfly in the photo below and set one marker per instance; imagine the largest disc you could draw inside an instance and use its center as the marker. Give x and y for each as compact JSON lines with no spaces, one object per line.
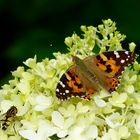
{"x":8,"y":117}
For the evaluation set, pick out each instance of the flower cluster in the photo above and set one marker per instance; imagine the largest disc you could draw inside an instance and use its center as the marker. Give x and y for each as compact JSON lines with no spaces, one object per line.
{"x":41,"y":116}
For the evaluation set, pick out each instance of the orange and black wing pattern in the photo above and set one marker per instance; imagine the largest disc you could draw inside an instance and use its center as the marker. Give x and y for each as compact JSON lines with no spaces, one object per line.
{"x":104,"y":69}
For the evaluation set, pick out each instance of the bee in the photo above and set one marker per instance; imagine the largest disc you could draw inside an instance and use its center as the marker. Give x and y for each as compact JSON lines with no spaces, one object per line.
{"x":8,"y":117}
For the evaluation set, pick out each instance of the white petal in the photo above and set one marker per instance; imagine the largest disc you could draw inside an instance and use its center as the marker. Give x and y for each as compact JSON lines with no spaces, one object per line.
{"x":111,"y":124}
{"x":39,"y":107}
{"x":43,"y":102}
{"x":42,"y":132}
{"x":47,"y":129}
{"x":114,"y":116}
{"x":28,"y":134}
{"x":27,"y":76}
{"x":99,"y":102}
{"x":92,"y":132}
{"x":62,"y":133}
{"x":57,"y":119}
{"x":130,"y":89}
{"x":24,"y":86}
{"x":75,"y":133}
{"x":113,"y":135}
{"x":5,"y":105}
{"x":41,"y":99}
{"x":68,"y":123}
{"x":109,"y":120}
{"x":3,"y":135}
{"x":23,"y":109}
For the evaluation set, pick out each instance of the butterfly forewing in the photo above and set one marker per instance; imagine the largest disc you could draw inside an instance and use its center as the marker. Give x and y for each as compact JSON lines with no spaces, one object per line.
{"x":114,"y":62}
{"x":110,"y":64}
{"x":71,"y":85}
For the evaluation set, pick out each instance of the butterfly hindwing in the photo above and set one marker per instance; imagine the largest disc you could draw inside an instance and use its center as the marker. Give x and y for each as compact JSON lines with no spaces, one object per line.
{"x":70,"y":85}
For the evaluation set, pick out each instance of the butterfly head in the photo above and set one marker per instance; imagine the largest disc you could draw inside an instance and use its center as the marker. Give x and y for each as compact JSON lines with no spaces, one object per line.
{"x":77,"y":61}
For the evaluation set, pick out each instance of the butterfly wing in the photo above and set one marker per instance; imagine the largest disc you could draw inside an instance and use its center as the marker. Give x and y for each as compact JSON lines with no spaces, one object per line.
{"x":84,"y":78}
{"x":110,"y":64}
{"x":114,"y":62}
{"x":75,"y":84}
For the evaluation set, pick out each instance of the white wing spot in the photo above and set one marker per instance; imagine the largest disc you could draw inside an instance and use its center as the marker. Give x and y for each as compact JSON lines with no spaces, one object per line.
{"x":61,"y":84}
{"x":122,"y":61}
{"x":82,"y":96}
{"x":126,"y":52}
{"x":57,"y":90}
{"x":116,"y":54}
{"x":67,"y":91}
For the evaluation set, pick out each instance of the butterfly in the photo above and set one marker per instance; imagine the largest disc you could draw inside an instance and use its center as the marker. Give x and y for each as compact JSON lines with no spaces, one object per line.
{"x":86,"y":76}
{"x":8,"y":117}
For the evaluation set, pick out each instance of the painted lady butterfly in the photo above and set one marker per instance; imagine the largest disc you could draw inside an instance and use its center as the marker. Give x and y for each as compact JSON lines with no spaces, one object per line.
{"x":85,"y":77}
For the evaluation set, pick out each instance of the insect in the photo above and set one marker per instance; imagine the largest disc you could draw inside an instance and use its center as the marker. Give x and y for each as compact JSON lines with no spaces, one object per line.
{"x":8,"y":117}
{"x":87,"y":76}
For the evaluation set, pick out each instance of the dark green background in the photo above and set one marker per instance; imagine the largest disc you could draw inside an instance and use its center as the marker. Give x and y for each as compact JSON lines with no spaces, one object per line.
{"x":30,"y":27}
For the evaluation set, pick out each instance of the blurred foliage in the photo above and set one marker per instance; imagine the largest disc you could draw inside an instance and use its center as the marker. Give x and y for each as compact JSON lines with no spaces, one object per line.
{"x":40,"y":26}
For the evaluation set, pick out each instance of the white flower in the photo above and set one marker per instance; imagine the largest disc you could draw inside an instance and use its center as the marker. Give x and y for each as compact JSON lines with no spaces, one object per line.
{"x":22,"y":110}
{"x":123,"y":132}
{"x":67,"y":112}
{"x":44,"y":131}
{"x":5,"y":105}
{"x":99,"y":102}
{"x":113,"y":134}
{"x":109,"y":120}
{"x":82,"y":133}
{"x":42,"y":102}
{"x":80,"y":108}
{"x":118,"y":99}
{"x":63,"y":125}
{"x":31,"y":62}
{"x":28,"y":76}
{"x":24,"y":86}
{"x":129,"y":88}
{"x":29,"y":134}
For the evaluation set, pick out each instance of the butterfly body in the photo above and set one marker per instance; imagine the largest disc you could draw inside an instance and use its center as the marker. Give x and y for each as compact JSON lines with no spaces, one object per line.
{"x":87,"y":76}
